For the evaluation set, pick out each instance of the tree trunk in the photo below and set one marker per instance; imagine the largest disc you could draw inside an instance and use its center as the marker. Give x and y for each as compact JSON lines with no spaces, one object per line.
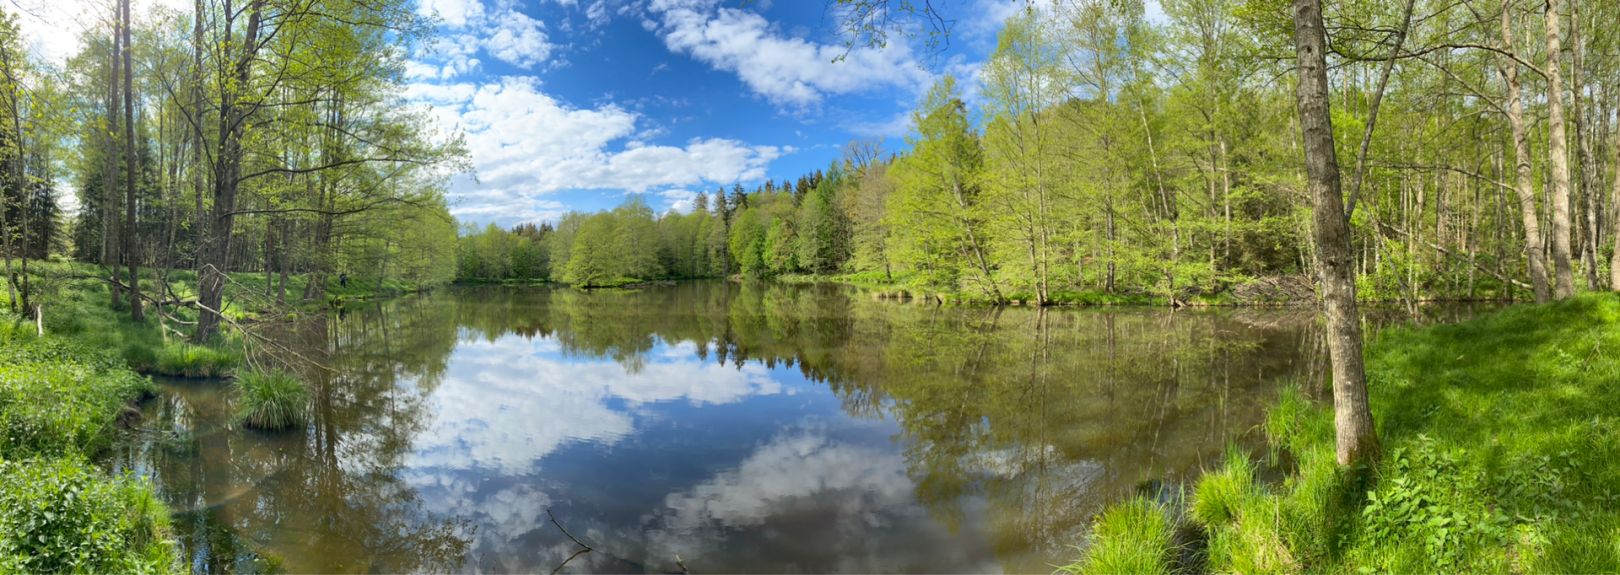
{"x":109,"y":205}
{"x":1355,"y":436}
{"x":215,"y":256}
{"x":131,"y":246}
{"x":1533,"y":248}
{"x":1558,"y":152}
{"x":1592,"y":202}
{"x":1614,"y":232}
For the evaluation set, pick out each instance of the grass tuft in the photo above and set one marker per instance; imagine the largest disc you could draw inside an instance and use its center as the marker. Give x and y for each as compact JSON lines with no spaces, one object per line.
{"x":1219,"y":495}
{"x":271,"y":400}
{"x":189,"y":360}
{"x":1130,"y":537}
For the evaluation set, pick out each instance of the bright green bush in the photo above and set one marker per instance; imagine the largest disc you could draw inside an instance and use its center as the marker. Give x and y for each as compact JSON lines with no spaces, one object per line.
{"x":62,"y":516}
{"x":271,"y":400}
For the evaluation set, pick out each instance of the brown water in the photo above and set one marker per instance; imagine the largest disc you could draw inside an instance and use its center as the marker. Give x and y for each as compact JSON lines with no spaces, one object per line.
{"x":713,"y":427}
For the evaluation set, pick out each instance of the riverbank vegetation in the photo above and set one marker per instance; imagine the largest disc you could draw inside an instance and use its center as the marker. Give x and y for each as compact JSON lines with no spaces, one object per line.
{"x":1500,"y":456}
{"x":61,"y":402}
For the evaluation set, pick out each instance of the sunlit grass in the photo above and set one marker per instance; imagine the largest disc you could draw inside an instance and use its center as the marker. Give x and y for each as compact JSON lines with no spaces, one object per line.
{"x":1501,"y":454}
{"x":1130,"y":537}
{"x":271,"y":400}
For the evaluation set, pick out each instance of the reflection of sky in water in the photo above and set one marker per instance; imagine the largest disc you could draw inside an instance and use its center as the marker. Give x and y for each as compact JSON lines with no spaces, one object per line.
{"x":726,"y":467}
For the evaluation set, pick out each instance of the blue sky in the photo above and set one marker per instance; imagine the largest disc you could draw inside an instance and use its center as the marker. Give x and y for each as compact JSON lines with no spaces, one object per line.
{"x":578,"y":104}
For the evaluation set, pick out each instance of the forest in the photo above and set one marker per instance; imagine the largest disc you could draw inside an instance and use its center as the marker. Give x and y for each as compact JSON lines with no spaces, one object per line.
{"x":1106,"y":153}
{"x":192,"y":184}
{"x":254,"y":136}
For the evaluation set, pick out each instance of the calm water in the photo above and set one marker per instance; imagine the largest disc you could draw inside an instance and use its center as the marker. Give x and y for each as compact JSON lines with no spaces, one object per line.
{"x":722,"y":427}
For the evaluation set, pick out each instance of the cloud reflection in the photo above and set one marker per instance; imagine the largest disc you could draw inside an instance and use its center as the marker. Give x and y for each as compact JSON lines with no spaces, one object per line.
{"x":506,"y":404}
{"x":802,"y":494}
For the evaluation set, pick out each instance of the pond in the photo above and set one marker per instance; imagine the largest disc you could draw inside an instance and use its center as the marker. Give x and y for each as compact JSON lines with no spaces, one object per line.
{"x":713,"y":427}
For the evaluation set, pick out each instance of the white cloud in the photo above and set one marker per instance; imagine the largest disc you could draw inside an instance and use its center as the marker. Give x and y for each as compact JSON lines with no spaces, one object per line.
{"x":525,"y":143}
{"x":503,"y":32}
{"x":455,"y":13}
{"x":785,"y":70}
{"x":52,"y":29}
{"x":518,"y":40}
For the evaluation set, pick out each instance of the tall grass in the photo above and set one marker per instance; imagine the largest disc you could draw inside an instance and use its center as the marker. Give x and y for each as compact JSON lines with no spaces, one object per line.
{"x":60,"y":403}
{"x":271,"y":400}
{"x":1130,"y":537}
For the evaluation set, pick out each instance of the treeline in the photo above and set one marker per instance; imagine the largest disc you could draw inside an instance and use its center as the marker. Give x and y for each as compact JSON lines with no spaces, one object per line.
{"x":1107,"y":153}
{"x":795,"y":227}
{"x":239,"y":136}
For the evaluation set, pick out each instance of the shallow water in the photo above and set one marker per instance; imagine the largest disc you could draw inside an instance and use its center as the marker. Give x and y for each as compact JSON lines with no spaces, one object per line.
{"x":713,"y":427}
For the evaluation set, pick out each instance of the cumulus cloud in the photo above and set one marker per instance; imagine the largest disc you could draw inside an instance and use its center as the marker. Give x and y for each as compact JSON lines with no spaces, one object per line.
{"x":503,"y":32}
{"x":785,"y":70}
{"x":524,"y":143}
{"x":518,"y":40}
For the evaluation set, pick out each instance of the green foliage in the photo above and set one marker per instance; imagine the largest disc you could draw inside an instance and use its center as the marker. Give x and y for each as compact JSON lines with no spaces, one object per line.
{"x":1501,"y":456}
{"x":271,"y":400}
{"x":180,"y":359}
{"x":62,"y":516}
{"x":1133,"y":536}
{"x":59,"y":396}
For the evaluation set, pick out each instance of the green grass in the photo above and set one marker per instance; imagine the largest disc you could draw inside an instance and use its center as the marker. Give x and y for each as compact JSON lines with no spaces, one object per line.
{"x":1501,"y":454}
{"x":60,"y":402}
{"x":187,"y":360}
{"x":1130,"y":537}
{"x":271,"y":400}
{"x":58,"y":395}
{"x":1222,"y":493}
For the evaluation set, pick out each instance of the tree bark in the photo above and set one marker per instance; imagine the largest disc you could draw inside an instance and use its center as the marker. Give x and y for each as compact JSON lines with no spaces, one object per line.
{"x":1558,"y":152}
{"x":110,"y":228}
{"x":1591,"y":201}
{"x":131,"y":246}
{"x":1523,"y":188}
{"x":1355,"y":437}
{"x":1614,"y":232}
{"x":214,"y":258}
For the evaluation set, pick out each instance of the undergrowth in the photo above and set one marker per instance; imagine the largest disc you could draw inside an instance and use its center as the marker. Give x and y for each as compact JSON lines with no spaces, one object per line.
{"x":1501,"y":454}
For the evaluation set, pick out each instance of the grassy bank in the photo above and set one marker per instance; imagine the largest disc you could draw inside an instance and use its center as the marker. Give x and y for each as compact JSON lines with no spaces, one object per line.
{"x":61,"y":401}
{"x":1501,"y":454}
{"x":75,"y":301}
{"x":909,"y":286}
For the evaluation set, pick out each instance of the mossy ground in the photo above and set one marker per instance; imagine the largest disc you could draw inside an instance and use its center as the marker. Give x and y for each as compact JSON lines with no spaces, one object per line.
{"x":1501,"y":454}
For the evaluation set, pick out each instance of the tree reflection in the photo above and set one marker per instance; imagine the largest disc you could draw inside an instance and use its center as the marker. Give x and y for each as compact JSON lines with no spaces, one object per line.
{"x":1044,"y":414}
{"x":326,"y":498}
{"x":1016,"y":422}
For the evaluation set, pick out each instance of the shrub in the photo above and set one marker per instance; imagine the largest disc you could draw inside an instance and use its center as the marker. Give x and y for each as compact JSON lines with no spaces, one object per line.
{"x":62,"y":516}
{"x":1133,"y":536}
{"x":271,"y":400}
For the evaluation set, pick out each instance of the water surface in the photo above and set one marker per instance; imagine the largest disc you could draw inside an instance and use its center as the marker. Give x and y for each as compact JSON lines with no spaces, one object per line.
{"x":712,"y":427}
